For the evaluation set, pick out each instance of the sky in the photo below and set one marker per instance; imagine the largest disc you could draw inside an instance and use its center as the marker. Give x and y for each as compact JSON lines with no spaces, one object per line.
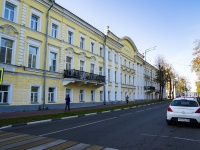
{"x":170,"y":25}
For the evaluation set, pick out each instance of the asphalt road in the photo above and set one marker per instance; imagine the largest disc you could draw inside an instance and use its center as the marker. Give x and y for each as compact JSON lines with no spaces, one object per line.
{"x":140,"y":128}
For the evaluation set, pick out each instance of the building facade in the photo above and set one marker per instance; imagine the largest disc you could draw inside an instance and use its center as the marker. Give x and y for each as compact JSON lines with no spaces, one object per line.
{"x":48,"y":52}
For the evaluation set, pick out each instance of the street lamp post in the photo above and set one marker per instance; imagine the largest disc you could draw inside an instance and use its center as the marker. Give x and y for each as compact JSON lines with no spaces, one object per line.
{"x":147,"y":50}
{"x":106,"y":32}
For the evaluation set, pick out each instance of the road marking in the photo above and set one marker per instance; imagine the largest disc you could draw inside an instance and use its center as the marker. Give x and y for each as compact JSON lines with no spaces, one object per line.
{"x":179,"y":138}
{"x":77,"y":126}
{"x":47,"y":145}
{"x":106,"y":111}
{"x":90,"y":114}
{"x":126,"y":114}
{"x":117,"y":109}
{"x":78,"y":146}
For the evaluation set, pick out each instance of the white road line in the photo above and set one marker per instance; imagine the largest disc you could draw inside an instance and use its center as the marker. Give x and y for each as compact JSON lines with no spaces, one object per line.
{"x":69,"y":117}
{"x":106,"y":111}
{"x":47,"y":145}
{"x":90,"y":114}
{"x":48,"y":120}
{"x":126,"y":114}
{"x":179,"y":138}
{"x":78,"y":126}
{"x":117,"y":109}
{"x":78,"y":146}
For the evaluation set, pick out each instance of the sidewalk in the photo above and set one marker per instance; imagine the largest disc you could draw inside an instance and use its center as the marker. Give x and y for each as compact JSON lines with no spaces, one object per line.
{"x":10,"y":115}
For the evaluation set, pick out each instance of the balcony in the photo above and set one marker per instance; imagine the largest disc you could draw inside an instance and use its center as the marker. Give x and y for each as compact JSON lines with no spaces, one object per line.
{"x":149,"y":88}
{"x":82,"y":77}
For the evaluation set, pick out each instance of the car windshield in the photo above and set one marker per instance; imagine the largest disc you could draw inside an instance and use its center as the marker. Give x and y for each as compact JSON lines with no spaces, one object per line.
{"x":184,"y":103}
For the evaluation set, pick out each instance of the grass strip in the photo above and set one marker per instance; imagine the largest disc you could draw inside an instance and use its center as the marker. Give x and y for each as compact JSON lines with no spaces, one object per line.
{"x":12,"y":121}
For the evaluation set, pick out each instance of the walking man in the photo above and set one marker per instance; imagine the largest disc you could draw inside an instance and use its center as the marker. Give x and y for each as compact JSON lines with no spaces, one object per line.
{"x":67,"y":99}
{"x":127,"y":99}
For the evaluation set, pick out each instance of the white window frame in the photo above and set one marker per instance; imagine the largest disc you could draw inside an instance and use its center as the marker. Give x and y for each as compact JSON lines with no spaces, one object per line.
{"x":82,"y":36}
{"x":55,"y":94}
{"x":101,"y":71}
{"x":84,"y":65}
{"x":53,"y":49}
{"x":9,"y":98}
{"x":71,"y":30}
{"x":37,"y":14}
{"x":5,"y":36}
{"x":92,"y":46}
{"x":16,"y":8}
{"x":92,"y":64}
{"x":70,"y":94}
{"x":92,"y":96}
{"x":71,"y":63}
{"x":37,"y":44}
{"x":109,"y":74}
{"x":57,"y":23}
{"x":101,"y":51}
{"x":83,"y":95}
{"x":124,"y":62}
{"x":109,"y":58}
{"x":39,"y":92}
{"x":101,"y":93}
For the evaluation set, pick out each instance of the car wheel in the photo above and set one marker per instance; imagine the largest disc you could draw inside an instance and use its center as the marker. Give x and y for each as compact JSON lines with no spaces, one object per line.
{"x":169,"y":122}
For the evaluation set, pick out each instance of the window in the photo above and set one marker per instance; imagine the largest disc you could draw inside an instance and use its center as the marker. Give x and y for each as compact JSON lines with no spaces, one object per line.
{"x":68,"y":63}
{"x":6,"y":51}
{"x":70,"y":37}
{"x":92,"y":68}
{"x":82,"y":40}
{"x":133,"y":80}
{"x":133,"y":65}
{"x":109,"y":55}
{"x":108,"y":74}
{"x":82,"y":65}
{"x":54,"y":31}
{"x":32,"y":57}
{"x":129,"y":64}
{"x":129,"y":79}
{"x":51,"y":95}
{"x":52,"y":65}
{"x":101,"y":52}
{"x":34,"y":22}
{"x":108,"y":95}
{"x":9,"y":12}
{"x":115,"y":95}
{"x":68,"y":92}
{"x":115,"y":76}
{"x":124,"y":62}
{"x":121,"y":78}
{"x":100,"y":70}
{"x":125,"y":78}
{"x":34,"y":94}
{"x":81,"y":95}
{"x":92,"y":47}
{"x":3,"y":94}
{"x":115,"y":58}
{"x":101,"y":96}
{"x":92,"y":95}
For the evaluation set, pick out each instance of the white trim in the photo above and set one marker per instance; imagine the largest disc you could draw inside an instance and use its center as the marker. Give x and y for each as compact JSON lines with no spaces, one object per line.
{"x":15,"y":3}
{"x":72,"y":60}
{"x":10,"y":92}
{"x":55,"y":93}
{"x":53,"y":49}
{"x":39,"y":92}
{"x":35,"y":43}
{"x":14,"y":39}
{"x":57,"y":23}
{"x":37,"y":13}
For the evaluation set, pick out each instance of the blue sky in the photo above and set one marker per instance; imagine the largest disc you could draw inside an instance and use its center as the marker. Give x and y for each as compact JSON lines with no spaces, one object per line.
{"x":170,"y":25}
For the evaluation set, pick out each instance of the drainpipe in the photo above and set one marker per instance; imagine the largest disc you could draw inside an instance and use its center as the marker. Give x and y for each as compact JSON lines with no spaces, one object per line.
{"x":106,"y":32}
{"x":45,"y":52}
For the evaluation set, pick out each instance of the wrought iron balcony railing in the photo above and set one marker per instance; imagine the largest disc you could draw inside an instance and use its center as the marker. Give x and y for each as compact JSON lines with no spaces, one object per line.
{"x":82,"y":75}
{"x":151,"y":88}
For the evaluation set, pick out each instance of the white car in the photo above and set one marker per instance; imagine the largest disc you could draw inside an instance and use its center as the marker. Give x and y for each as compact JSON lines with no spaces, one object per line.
{"x":183,"y":110}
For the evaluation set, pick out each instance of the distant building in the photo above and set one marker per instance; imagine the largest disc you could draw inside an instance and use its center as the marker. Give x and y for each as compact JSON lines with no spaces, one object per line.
{"x":73,"y":58}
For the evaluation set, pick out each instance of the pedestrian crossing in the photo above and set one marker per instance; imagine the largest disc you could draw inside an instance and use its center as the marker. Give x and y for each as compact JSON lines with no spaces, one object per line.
{"x":19,"y":141}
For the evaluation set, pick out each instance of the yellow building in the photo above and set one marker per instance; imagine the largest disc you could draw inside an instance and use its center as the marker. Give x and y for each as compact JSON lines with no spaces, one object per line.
{"x":48,"y":52}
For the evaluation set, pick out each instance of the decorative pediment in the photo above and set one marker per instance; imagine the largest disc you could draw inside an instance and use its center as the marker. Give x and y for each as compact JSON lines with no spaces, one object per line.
{"x":82,"y":55}
{"x":70,"y":50}
{"x":8,"y":29}
{"x":93,"y":58}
